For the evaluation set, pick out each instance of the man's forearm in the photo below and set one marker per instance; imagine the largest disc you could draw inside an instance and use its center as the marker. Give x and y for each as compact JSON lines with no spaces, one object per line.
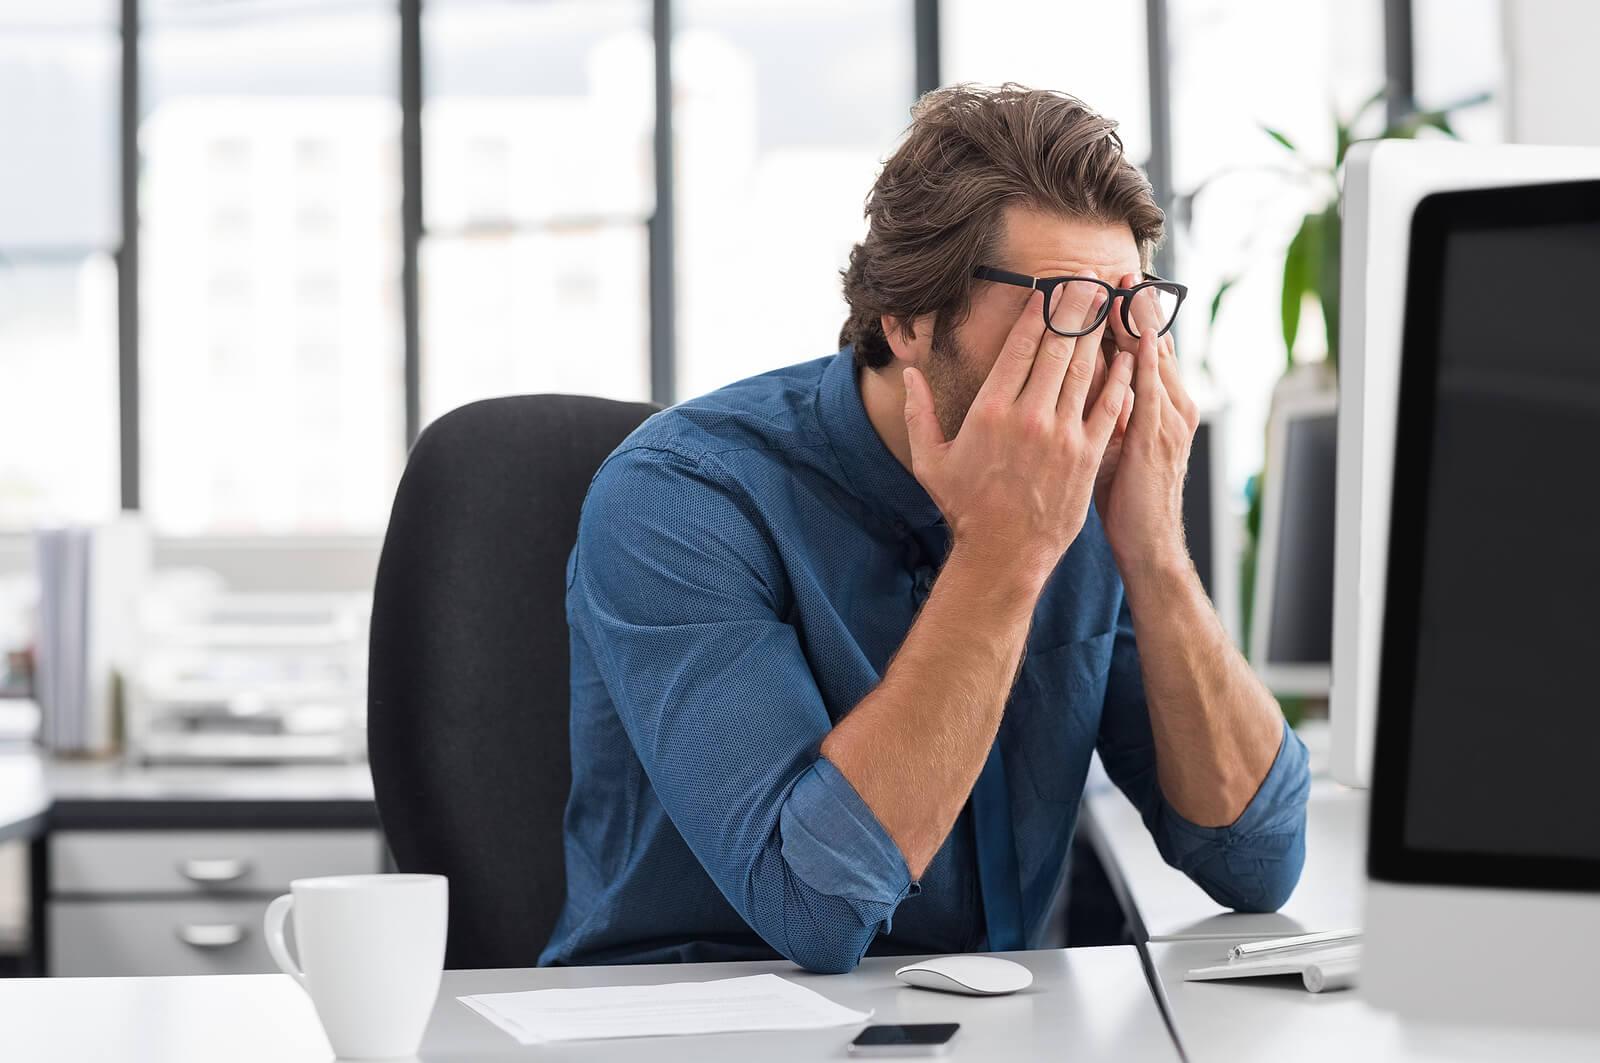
{"x":1217,"y":729}
{"x":914,"y":746}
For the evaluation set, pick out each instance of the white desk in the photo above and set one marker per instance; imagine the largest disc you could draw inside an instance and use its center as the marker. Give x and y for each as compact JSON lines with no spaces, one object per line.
{"x":1274,"y":1019}
{"x":1084,"y":1005}
{"x":24,"y":796}
{"x":1172,"y":908}
{"x":102,"y":807}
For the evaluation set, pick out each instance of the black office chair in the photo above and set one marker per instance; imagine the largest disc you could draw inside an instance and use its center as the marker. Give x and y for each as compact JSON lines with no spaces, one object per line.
{"x":467,"y":681}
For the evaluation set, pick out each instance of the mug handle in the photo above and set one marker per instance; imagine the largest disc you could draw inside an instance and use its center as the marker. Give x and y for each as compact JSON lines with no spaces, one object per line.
{"x":272,"y":927}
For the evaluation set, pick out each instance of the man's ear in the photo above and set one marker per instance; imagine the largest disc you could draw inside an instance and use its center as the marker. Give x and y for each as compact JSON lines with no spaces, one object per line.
{"x":911,"y":339}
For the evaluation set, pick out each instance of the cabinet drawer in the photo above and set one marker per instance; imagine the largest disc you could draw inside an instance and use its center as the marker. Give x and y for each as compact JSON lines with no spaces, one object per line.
{"x":206,"y":862}
{"x":199,"y":935}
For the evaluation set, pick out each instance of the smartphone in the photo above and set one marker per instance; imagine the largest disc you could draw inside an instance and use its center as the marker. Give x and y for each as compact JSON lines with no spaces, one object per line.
{"x":920,"y":1039}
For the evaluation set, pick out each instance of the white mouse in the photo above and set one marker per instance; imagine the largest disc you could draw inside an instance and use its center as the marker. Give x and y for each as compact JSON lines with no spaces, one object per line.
{"x":977,"y":976}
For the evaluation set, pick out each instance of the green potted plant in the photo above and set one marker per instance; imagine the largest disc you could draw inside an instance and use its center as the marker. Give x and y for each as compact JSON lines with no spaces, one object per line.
{"x":1310,"y":271}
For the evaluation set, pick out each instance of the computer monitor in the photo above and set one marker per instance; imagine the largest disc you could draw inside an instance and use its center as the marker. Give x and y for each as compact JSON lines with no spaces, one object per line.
{"x":1209,"y":522}
{"x":1383,"y":182}
{"x":1484,"y":845}
{"x":1291,"y":631}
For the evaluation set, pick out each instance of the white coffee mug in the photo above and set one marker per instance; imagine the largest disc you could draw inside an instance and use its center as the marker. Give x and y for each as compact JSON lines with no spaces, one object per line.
{"x":371,"y":953}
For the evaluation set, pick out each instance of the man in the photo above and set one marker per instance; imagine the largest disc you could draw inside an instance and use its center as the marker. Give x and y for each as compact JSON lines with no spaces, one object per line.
{"x":845,"y":635}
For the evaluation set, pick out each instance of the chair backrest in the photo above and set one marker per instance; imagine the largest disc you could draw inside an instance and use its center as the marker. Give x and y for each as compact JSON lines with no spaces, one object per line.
{"x":467,"y":680}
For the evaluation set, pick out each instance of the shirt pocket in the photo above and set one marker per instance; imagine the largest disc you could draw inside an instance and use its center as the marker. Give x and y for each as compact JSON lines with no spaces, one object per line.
{"x":1065,"y":691}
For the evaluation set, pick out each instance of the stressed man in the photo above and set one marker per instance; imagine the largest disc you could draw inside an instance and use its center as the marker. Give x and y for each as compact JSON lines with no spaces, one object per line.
{"x":846,"y":635}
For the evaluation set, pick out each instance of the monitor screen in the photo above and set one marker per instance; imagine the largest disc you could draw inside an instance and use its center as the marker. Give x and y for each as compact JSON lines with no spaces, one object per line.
{"x":1489,"y":704}
{"x":1301,"y":626}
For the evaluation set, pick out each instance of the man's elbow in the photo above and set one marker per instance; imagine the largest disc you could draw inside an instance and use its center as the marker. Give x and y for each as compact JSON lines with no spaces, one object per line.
{"x":1277,"y":881}
{"x":824,"y":958}
{"x":825,"y":935}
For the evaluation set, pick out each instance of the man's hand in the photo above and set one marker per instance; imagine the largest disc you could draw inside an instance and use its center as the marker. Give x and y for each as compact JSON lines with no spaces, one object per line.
{"x":1139,"y":489}
{"x":1014,"y":485}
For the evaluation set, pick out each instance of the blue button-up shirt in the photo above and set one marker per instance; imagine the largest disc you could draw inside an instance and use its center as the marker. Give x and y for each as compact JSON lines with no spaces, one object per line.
{"x":747,"y":563}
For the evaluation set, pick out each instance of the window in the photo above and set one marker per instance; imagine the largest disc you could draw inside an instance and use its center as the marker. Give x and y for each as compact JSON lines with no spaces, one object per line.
{"x":59,"y":226}
{"x":1046,"y":46}
{"x":270,"y":347}
{"x":272,"y":350}
{"x":538,"y":182}
{"x":1458,"y":57}
{"x":783,"y":113}
{"x":1239,"y":66}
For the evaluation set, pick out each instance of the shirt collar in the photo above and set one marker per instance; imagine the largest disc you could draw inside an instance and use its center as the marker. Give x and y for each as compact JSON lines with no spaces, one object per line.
{"x":873,"y":472}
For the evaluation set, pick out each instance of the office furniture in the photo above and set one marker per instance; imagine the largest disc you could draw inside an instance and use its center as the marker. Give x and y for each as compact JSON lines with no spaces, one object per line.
{"x":1209,"y":521}
{"x":1291,"y":637}
{"x":1162,"y":904}
{"x":467,"y":688}
{"x":168,"y":871}
{"x":1268,"y":1020}
{"x":1384,"y":180}
{"x":1084,"y":1005}
{"x":1484,"y":810}
{"x":1272,"y":1019}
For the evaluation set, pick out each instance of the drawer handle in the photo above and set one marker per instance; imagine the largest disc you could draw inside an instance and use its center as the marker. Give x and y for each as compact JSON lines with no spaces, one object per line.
{"x":227,"y":870}
{"x":211,"y":935}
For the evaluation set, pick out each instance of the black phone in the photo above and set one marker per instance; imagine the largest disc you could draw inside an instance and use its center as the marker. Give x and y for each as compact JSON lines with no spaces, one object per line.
{"x":917,"y":1039}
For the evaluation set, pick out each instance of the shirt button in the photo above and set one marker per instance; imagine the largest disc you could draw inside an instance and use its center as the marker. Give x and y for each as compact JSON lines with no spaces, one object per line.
{"x":924,"y":582}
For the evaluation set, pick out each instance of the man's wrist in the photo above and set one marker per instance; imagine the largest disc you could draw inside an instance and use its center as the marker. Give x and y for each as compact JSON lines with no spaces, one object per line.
{"x":1158,"y":576}
{"x":1006,"y":578}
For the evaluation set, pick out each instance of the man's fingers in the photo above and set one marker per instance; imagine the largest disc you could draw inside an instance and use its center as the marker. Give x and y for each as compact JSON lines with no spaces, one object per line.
{"x":1147,"y":386}
{"x":1067,"y":378}
{"x":1146,"y":310}
{"x":1078,"y":388}
{"x":922,"y":423}
{"x":1125,"y":340}
{"x":1010,"y":371}
{"x":1110,"y":404}
{"x":1073,"y":307}
{"x":1101,"y":367}
{"x":1172,"y":381}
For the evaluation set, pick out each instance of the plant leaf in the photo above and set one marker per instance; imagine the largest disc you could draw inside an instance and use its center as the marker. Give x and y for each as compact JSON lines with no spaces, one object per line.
{"x":1280,"y":138}
{"x":1368,"y":104}
{"x":1216,"y":300}
{"x":1328,"y":285}
{"x":1297,"y":264}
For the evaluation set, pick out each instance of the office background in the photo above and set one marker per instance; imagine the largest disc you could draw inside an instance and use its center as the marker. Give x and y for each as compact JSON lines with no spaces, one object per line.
{"x":250,"y":248}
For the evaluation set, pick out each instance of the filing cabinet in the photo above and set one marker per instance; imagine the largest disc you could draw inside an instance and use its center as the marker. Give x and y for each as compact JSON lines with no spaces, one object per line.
{"x":162,"y":902}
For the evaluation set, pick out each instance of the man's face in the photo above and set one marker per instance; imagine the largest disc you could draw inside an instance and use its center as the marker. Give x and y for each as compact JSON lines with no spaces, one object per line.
{"x":1038,"y":245}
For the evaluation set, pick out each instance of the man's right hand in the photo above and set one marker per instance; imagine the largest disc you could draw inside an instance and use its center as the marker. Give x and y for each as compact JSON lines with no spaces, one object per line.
{"x":1015,"y":483}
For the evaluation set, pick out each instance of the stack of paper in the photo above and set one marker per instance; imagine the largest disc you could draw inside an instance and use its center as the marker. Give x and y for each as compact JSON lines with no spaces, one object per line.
{"x":89,"y":585}
{"x":731,"y":1005}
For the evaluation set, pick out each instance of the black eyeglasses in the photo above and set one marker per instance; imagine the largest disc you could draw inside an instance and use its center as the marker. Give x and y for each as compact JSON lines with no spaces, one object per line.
{"x":1079,"y":292}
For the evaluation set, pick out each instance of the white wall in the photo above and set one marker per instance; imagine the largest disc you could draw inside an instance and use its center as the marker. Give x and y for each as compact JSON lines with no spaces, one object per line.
{"x":1553,"y":71}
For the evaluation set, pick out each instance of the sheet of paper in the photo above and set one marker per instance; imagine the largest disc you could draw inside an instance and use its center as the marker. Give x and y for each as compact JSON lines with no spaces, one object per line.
{"x":730,"y":1005}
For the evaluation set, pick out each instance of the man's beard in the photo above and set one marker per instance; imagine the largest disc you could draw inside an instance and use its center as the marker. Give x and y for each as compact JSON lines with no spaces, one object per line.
{"x":956,"y":377}
{"x":953,"y":376}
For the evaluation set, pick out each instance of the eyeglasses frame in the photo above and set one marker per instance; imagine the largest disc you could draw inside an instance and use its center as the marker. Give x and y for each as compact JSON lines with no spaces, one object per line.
{"x":1047,"y":285}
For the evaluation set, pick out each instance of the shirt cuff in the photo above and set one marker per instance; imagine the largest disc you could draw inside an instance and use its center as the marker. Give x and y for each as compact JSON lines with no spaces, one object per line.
{"x":1278,"y":805}
{"x":834,"y":844}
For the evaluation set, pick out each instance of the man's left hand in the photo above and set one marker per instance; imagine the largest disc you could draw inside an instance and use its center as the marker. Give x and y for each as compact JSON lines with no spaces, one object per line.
{"x":1139,"y":491}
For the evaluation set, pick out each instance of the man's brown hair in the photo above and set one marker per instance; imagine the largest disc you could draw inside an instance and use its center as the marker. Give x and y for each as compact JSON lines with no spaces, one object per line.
{"x":935,"y":211}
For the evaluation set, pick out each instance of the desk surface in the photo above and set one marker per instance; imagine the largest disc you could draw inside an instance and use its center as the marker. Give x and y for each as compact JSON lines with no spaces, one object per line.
{"x":1085,"y":1004}
{"x":1273,"y":1019}
{"x":1172,"y":908}
{"x":24,"y":797}
{"x":94,"y":794}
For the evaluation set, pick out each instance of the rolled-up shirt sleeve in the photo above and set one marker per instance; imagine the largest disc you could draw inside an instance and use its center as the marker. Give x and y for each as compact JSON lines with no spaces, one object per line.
{"x":680,"y":595}
{"x":1250,"y":865}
